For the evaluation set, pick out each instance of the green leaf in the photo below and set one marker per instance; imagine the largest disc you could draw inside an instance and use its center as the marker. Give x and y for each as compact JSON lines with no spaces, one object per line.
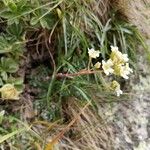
{"x":20,"y":87}
{"x":9,"y":65}
{"x":4,"y":75}
{"x":34,"y":21}
{"x":126,"y":30}
{"x":7,"y":15}
{"x":16,"y":81}
{"x":15,"y":30}
{"x":44,"y":23}
{"x":5,"y":47}
{"x":13,"y":66}
{"x":12,"y":6}
{"x":1,"y":82}
{"x":82,"y":93}
{"x":7,"y":136}
{"x":2,"y":115}
{"x":22,"y":3}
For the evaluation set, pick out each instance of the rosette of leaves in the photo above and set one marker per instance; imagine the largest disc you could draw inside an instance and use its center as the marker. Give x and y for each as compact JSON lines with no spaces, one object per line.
{"x":45,"y":17}
{"x":16,"y":32}
{"x":9,"y":45}
{"x":7,"y":67}
{"x":14,"y":11}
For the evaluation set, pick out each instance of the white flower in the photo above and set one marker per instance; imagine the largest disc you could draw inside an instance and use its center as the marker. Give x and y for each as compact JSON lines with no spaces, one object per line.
{"x":116,"y":87}
{"x":107,"y":66}
{"x":125,"y":71}
{"x":93,"y":53}
{"x":114,"y":48}
{"x":8,"y":91}
{"x":118,"y":92}
{"x":125,"y":57}
{"x":97,"y":65}
{"x":117,"y":56}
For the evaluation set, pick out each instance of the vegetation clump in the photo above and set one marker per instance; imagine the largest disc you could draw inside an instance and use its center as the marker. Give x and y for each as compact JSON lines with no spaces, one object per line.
{"x":54,"y":54}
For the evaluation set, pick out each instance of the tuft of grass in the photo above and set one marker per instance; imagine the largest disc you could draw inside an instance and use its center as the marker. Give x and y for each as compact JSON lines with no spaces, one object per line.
{"x":57,"y":35}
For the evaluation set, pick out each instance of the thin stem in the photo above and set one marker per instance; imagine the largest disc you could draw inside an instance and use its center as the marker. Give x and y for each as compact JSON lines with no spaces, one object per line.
{"x":89,"y":63}
{"x":82,"y":72}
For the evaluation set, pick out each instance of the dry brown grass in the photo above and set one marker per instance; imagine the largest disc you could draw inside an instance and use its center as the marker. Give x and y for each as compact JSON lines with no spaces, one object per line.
{"x":88,"y":132}
{"x":137,"y":12}
{"x":101,"y":9}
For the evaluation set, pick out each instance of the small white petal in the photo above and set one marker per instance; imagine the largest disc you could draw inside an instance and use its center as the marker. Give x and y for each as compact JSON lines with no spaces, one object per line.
{"x":107,"y":66}
{"x":125,"y":57}
{"x":119,"y":92}
{"x":93,"y":53}
{"x":114,"y":48}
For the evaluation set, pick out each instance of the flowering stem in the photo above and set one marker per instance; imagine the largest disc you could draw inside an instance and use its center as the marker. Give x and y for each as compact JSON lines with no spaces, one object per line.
{"x":82,"y":72}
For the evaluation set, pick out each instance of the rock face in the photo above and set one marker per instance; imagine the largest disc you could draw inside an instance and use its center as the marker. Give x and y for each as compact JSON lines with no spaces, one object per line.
{"x":131,"y":119}
{"x":131,"y":124}
{"x":137,"y":12}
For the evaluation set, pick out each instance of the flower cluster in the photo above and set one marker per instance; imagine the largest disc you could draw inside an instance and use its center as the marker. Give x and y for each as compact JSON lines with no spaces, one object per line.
{"x":117,"y":64}
{"x":8,"y":91}
{"x":116,"y":87}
